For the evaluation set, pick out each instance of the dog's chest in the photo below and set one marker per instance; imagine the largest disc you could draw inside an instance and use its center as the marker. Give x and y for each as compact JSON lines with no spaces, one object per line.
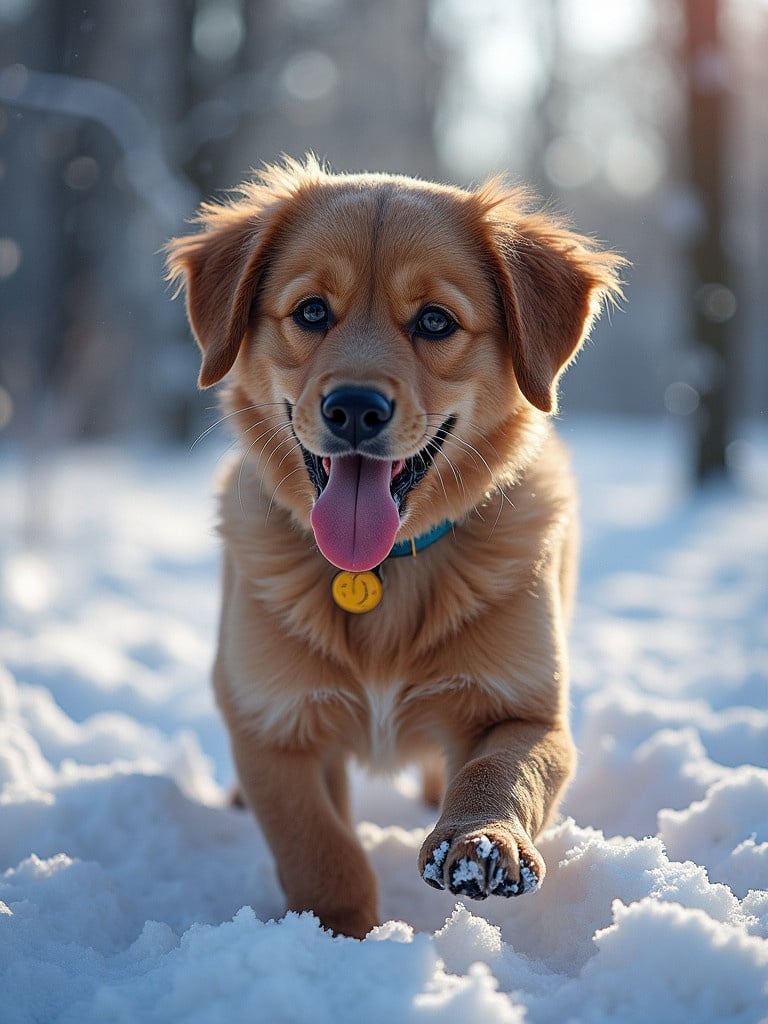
{"x":379,"y":724}
{"x":372,"y":721}
{"x":384,"y":707}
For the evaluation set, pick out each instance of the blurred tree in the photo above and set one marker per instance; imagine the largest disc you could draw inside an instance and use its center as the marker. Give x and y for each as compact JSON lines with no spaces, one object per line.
{"x":32,"y":151}
{"x":114,"y":120}
{"x":713,"y":300}
{"x":86,"y":201}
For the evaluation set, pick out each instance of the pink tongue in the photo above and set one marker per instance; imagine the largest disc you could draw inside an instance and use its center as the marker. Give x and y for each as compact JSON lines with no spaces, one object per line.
{"x":355,"y":519}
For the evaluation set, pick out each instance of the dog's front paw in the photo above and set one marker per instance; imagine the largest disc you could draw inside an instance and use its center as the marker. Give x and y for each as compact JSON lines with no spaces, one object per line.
{"x":493,"y":861}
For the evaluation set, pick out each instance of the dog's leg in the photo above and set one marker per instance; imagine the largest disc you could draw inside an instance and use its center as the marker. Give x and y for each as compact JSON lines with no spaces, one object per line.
{"x":337,"y":781}
{"x":433,"y":780}
{"x":495,"y":805}
{"x":301,"y":805}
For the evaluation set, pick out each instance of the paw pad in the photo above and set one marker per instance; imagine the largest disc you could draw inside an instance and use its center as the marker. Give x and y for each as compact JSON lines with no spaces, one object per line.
{"x":481,"y":872}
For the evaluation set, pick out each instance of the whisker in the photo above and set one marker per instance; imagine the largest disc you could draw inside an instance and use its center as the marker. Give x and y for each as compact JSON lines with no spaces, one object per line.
{"x":498,"y":514}
{"x":492,"y":446}
{"x":426,"y":438}
{"x":440,"y":478}
{"x":263,"y":419}
{"x":439,"y":475}
{"x":237,"y":440}
{"x":275,"y":450}
{"x":474,"y":425}
{"x":246,"y":408}
{"x":502,"y":498}
{"x":273,"y":431}
{"x":472,"y":451}
{"x":254,"y":441}
{"x":272,"y":499}
{"x":456,"y":476}
{"x":290,"y":451}
{"x":458,"y":442}
{"x":457,"y":439}
{"x":460,"y":482}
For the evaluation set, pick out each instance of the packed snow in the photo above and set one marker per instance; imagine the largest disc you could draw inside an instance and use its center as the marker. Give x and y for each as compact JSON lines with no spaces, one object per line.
{"x":131,"y":891}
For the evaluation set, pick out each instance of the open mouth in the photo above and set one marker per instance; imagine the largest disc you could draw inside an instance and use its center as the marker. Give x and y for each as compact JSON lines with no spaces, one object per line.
{"x":361,"y":500}
{"x":405,"y":474}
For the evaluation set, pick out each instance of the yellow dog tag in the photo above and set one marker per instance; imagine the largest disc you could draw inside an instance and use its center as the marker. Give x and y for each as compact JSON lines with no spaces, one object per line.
{"x":356,"y":592}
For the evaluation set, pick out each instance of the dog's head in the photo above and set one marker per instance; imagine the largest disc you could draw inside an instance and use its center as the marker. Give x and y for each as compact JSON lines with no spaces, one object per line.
{"x":392,"y":345}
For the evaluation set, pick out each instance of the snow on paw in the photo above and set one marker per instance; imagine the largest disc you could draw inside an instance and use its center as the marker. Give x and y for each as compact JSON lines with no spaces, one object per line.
{"x":501,"y":883}
{"x":468,"y":876}
{"x":432,"y":868}
{"x":494,"y":862}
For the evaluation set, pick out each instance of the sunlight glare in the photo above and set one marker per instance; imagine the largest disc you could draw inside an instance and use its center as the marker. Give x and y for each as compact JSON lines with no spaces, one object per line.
{"x":505,"y":68}
{"x":597,"y":26}
{"x":634,"y":163}
{"x":29,"y":582}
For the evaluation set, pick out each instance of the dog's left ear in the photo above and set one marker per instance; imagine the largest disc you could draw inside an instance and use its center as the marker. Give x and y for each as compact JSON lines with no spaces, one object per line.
{"x":221,"y":267}
{"x":552,"y":283}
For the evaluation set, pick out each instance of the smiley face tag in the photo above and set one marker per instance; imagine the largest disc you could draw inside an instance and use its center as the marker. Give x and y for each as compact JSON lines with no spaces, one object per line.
{"x":357,"y":592}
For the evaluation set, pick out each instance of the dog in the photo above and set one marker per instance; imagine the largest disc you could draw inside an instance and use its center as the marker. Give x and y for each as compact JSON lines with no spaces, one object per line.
{"x":400,"y":533}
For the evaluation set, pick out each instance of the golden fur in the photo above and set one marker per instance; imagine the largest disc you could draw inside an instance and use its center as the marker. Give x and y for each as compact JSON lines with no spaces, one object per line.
{"x":464,"y":660}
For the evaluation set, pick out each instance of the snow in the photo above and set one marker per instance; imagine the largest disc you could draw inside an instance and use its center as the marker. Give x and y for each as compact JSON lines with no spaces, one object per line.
{"x":130,"y":891}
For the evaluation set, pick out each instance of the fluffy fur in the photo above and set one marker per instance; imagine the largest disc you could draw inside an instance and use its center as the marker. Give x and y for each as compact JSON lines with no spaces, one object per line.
{"x":463,"y":664}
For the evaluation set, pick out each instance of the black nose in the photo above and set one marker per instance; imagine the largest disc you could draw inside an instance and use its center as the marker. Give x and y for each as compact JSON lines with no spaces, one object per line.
{"x":356,"y":414}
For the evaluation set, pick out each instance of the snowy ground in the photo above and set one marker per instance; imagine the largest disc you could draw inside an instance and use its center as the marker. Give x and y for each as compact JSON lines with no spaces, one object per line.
{"x":130,"y":892}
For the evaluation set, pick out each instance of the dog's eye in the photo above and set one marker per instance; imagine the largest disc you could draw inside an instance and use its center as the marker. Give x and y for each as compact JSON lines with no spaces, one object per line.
{"x":312,"y":314}
{"x":435,"y":323}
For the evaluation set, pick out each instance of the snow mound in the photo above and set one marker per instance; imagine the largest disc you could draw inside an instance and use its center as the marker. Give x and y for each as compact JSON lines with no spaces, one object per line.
{"x":131,"y":891}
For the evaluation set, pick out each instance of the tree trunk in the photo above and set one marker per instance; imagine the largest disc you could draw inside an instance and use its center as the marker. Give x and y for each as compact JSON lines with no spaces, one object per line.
{"x":712,"y":298}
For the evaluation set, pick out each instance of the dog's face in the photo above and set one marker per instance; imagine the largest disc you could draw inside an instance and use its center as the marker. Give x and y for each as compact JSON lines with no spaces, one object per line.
{"x":393,"y":344}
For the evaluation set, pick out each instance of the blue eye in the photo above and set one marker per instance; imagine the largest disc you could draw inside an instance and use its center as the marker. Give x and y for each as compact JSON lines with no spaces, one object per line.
{"x":435,"y":323}
{"x":312,"y":315}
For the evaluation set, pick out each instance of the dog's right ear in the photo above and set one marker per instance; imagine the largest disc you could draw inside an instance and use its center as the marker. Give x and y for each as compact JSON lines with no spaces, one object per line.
{"x":221,"y":267}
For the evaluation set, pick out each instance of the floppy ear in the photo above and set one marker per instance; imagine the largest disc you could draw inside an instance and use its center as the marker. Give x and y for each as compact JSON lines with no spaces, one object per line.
{"x":552,"y":284}
{"x":221,"y":267}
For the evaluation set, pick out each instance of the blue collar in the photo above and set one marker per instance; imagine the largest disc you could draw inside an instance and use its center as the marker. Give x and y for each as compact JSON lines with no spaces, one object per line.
{"x":410,"y":547}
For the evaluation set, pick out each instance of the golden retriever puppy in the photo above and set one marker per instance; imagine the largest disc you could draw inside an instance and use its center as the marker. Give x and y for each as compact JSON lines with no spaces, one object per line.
{"x":399,"y":534}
